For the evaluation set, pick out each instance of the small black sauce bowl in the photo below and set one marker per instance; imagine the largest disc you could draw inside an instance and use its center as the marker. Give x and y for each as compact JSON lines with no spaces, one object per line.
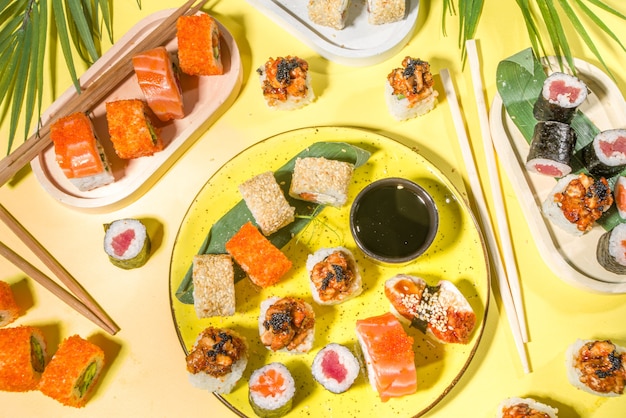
{"x":393,"y":220}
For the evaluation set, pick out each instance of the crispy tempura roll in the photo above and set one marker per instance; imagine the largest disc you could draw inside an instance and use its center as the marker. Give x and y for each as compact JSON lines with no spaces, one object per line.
{"x":22,"y":358}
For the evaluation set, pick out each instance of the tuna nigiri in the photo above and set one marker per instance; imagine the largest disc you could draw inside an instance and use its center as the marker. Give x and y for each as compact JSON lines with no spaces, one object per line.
{"x":389,"y":355}
{"x":79,"y":153}
{"x":159,"y":83}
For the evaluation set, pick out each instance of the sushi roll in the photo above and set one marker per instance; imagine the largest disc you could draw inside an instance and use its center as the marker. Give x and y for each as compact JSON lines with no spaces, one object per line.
{"x":22,"y":358}
{"x":525,"y":407}
{"x":385,"y":11}
{"x":388,"y":354}
{"x":551,"y":149}
{"x":320,"y":180}
{"x":597,"y":367}
{"x":264,"y":264}
{"x":271,"y":390}
{"x":409,"y":89}
{"x":132,"y":129}
{"x":611,"y":250}
{"x":619,"y":196}
{"x":9,"y":310}
{"x":334,"y":276}
{"x":286,"y":83}
{"x":560,"y":96}
{"x":576,"y":202}
{"x":158,"y":79}
{"x":330,"y":13}
{"x":73,"y":372}
{"x":79,"y":153}
{"x":605,"y":156}
{"x":441,"y":311}
{"x":217,"y":360}
{"x":199,"y":49}
{"x":127,"y":243}
{"x":267,"y":203}
{"x":287,"y":324}
{"x":213,"y":279}
{"x":335,"y":368}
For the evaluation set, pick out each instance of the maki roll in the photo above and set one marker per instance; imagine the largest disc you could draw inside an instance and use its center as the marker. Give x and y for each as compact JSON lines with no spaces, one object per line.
{"x":335,"y":368}
{"x":79,"y":153}
{"x":619,"y":195}
{"x":606,"y":154}
{"x":597,"y":367}
{"x":525,"y":407}
{"x":271,"y":390}
{"x":409,"y":89}
{"x":611,"y":250}
{"x":385,"y":11}
{"x":334,"y":276}
{"x":331,"y":13}
{"x":73,"y":372}
{"x":217,"y":360}
{"x":286,"y":83}
{"x":22,"y":358}
{"x":551,"y":149}
{"x":264,"y":263}
{"x":199,"y":50}
{"x":127,"y":243}
{"x":133,"y":132}
{"x":576,"y":202}
{"x":213,"y":279}
{"x":559,"y":98}
{"x":267,"y":203}
{"x":287,"y":324}
{"x":320,"y":180}
{"x":9,"y":310}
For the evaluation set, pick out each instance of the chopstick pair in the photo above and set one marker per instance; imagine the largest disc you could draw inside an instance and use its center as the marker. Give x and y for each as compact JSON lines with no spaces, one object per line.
{"x":476,"y":192}
{"x":82,"y":302}
{"x":94,"y":92}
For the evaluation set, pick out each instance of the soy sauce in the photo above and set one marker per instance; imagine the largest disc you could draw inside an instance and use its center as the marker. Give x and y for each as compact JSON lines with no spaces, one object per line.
{"x":392,"y":221}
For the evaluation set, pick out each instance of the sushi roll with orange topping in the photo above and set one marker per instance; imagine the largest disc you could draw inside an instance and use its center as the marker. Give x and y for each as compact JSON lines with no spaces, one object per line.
{"x":72,"y":374}
{"x":199,"y":50}
{"x":22,"y":358}
{"x":159,"y":82}
{"x":409,"y":89}
{"x":79,"y":153}
{"x":525,"y":408}
{"x":133,"y":132}
{"x":597,"y":367}
{"x":286,"y":83}
{"x":287,"y":324}
{"x":9,"y":310}
{"x":271,"y":390}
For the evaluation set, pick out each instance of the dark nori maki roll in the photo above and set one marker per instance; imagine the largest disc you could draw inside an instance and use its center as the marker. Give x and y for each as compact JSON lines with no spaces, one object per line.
{"x":611,"y":250}
{"x":559,"y":98}
{"x":605,"y":156}
{"x":551,"y":149}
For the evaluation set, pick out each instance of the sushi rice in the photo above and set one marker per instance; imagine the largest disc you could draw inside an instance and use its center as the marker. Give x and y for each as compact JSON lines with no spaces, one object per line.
{"x":552,"y":210}
{"x":271,"y":390}
{"x":525,"y":404}
{"x":335,"y":368}
{"x":127,"y":243}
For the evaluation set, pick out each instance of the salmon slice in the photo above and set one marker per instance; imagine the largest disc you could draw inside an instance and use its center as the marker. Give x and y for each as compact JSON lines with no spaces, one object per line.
{"x":159,"y":83}
{"x":389,"y":356}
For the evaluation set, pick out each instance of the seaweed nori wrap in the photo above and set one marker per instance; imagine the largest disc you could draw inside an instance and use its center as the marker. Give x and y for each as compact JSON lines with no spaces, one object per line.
{"x":610,"y":250}
{"x":605,"y":156}
{"x":559,"y":98}
{"x":551,"y":149}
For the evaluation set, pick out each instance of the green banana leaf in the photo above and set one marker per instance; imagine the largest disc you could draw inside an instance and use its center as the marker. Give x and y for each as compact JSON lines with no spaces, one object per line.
{"x":519,"y":80}
{"x":231,"y":222}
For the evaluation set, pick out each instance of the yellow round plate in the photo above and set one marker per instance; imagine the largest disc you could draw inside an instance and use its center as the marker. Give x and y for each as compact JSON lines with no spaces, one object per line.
{"x":457,"y":254}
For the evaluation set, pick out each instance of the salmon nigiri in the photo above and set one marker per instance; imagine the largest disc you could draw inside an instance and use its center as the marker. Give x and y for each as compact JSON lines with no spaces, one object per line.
{"x":159,"y":83}
{"x":389,"y":355}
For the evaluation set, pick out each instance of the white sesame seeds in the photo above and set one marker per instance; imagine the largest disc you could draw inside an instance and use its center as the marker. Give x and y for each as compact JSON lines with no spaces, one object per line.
{"x":428,"y":308}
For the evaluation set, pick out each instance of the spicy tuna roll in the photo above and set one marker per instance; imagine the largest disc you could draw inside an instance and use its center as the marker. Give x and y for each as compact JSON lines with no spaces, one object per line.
{"x":611,"y":250}
{"x":127,"y":243}
{"x":606,"y":155}
{"x":560,"y":96}
{"x":551,"y":149}
{"x":335,"y":368}
{"x":271,"y":390}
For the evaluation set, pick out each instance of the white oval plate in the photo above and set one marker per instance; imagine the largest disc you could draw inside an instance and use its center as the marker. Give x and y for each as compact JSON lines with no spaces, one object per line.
{"x":573,"y":259}
{"x":358,"y":44}
{"x":205,"y":99}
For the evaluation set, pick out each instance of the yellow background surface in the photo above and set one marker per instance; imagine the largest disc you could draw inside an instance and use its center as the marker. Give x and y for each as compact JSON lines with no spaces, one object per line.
{"x":146,"y":374}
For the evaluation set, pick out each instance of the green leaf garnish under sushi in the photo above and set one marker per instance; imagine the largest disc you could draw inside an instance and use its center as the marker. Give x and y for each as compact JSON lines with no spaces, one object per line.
{"x":229,"y":224}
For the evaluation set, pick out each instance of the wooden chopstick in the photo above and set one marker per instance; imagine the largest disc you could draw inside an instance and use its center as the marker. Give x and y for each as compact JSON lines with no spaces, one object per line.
{"x":53,"y":287}
{"x":476,"y":193}
{"x":94,"y":93}
{"x":496,"y":188}
{"x":57,"y":269}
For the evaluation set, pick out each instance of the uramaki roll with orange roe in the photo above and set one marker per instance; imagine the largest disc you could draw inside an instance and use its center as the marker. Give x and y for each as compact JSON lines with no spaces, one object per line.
{"x":73,"y":372}
{"x":9,"y":310}
{"x":22,"y":358}
{"x":132,"y":129}
{"x":199,"y":51}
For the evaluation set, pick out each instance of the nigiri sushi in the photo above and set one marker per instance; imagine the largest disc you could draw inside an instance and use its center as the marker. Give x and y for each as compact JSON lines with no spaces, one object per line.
{"x":199,"y":51}
{"x":271,"y":390}
{"x":159,"y":82}
{"x":597,"y":367}
{"x":287,"y":324}
{"x":79,"y":153}
{"x":389,"y":356}
{"x":133,"y":132}
{"x":286,"y":83}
